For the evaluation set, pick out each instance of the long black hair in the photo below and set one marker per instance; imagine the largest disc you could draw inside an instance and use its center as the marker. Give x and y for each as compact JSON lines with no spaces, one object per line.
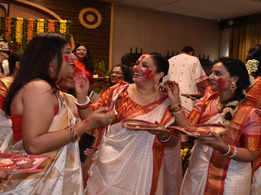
{"x":87,"y":60}
{"x":35,"y":62}
{"x":237,"y":68}
{"x":161,"y":63}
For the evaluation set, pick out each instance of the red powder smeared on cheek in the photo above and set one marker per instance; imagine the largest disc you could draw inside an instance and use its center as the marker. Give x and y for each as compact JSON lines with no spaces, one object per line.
{"x":148,"y":74}
{"x":67,"y":58}
{"x":221,"y":83}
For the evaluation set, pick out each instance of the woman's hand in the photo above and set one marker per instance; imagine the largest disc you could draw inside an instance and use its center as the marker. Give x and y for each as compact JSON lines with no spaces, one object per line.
{"x":100,"y":118}
{"x":172,"y":90}
{"x":82,"y":85}
{"x":214,"y":141}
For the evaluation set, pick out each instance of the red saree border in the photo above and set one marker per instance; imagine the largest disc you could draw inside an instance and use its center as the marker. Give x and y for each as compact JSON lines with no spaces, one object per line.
{"x":147,"y":108}
{"x":157,"y":146}
{"x":158,"y":152}
{"x":219,"y":164}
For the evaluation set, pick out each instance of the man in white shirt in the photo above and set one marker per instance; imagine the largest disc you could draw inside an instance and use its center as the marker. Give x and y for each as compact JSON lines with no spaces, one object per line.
{"x":186,"y":70}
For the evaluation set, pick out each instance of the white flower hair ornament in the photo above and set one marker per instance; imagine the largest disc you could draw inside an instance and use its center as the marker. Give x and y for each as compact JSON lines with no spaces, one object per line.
{"x":252,"y":66}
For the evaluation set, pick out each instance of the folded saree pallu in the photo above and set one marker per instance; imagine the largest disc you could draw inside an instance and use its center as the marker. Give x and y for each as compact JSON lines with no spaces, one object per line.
{"x":196,"y":131}
{"x":22,"y":163}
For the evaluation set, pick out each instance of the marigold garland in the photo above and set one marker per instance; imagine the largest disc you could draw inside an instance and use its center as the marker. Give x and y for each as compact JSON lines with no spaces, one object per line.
{"x":51,"y":27}
{"x":7,"y":28}
{"x":19,"y":31}
{"x":30,"y":29}
{"x":40,"y":26}
{"x":62,"y":26}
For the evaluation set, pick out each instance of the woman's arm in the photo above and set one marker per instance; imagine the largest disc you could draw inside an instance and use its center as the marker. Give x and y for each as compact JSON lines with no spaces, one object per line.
{"x":236,"y":153}
{"x":39,"y":104}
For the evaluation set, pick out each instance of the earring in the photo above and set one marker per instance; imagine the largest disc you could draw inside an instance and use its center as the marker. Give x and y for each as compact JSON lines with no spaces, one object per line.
{"x":52,"y":71}
{"x":233,"y":86}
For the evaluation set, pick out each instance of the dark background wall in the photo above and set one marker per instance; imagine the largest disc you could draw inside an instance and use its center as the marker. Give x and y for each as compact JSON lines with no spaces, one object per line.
{"x":97,"y":39}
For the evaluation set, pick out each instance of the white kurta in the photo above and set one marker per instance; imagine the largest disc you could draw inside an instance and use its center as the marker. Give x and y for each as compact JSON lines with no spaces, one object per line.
{"x":186,"y":70}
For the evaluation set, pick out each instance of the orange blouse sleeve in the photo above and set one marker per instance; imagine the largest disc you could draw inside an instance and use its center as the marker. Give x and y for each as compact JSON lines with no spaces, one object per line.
{"x":251,"y":136}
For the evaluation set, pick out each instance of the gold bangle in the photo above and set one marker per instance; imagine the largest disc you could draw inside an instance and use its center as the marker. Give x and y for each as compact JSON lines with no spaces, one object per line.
{"x":175,"y":108}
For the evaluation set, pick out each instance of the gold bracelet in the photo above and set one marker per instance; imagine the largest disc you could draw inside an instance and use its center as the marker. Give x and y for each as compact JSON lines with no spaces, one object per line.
{"x":175,"y":108}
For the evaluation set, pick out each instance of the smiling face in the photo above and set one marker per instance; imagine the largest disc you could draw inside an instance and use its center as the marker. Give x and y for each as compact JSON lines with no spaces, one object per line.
{"x":116,"y":74}
{"x":145,"y":69}
{"x":220,"y":78}
{"x":81,"y":52}
{"x":65,"y":76}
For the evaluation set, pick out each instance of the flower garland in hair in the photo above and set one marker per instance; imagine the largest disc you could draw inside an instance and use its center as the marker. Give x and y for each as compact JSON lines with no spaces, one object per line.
{"x":252,"y":66}
{"x":228,"y":111}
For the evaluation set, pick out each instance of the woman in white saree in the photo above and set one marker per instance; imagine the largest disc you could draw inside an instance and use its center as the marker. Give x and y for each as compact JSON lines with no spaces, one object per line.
{"x":44,"y":118}
{"x":222,"y":164}
{"x":137,"y":162}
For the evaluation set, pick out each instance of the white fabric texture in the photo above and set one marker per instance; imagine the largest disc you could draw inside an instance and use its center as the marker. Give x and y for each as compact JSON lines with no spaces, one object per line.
{"x":123,"y":164}
{"x":64,"y":174}
{"x":186,"y":70}
{"x":256,"y":185}
{"x":6,"y":132}
{"x":238,"y":179}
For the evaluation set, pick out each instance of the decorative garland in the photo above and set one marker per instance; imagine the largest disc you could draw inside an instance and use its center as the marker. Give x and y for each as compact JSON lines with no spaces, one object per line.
{"x":30,"y":29}
{"x":51,"y":27}
{"x":20,"y":31}
{"x":7,"y":28}
{"x":40,"y":26}
{"x":63,"y":26}
{"x":228,"y":111}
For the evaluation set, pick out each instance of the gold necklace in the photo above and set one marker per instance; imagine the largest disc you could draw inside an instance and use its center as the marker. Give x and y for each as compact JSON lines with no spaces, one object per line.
{"x":152,"y":95}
